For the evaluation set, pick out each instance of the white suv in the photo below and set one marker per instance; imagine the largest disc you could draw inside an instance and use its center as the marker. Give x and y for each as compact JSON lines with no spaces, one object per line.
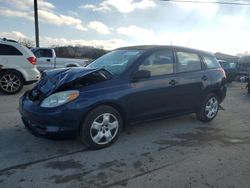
{"x":17,"y":67}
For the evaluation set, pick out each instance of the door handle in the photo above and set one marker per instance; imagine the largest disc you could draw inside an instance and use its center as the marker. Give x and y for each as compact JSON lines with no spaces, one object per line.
{"x":204,"y":77}
{"x":47,"y":59}
{"x":173,"y":82}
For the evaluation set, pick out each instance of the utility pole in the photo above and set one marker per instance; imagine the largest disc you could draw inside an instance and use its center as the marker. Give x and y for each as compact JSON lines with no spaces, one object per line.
{"x":36,"y":23}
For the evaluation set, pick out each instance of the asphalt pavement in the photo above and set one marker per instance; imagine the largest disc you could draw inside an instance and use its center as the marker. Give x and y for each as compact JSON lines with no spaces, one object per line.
{"x":176,"y":152}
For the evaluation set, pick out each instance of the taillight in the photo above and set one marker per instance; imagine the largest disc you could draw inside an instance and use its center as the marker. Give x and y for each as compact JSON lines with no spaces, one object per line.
{"x":32,"y":60}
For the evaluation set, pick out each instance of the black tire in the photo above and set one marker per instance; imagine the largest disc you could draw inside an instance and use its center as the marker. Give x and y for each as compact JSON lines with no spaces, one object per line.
{"x":98,"y":115}
{"x":16,"y":82}
{"x":202,"y":113}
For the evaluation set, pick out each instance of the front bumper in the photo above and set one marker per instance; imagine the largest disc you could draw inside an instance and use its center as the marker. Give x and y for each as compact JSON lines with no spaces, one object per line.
{"x":60,"y":122}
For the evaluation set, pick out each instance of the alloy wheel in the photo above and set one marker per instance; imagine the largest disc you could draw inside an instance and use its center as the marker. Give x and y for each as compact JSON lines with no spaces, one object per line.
{"x":104,"y":128}
{"x":10,"y":83}
{"x":211,"y":108}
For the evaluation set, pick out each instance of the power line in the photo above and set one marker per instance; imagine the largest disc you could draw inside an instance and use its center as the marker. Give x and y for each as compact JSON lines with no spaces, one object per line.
{"x":208,"y":2}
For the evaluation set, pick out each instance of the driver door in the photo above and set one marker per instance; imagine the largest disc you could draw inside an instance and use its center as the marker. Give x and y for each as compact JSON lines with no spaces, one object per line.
{"x":155,"y":96}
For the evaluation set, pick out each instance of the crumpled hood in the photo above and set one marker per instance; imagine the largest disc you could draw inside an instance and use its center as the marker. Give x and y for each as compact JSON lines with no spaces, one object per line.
{"x":53,"y":79}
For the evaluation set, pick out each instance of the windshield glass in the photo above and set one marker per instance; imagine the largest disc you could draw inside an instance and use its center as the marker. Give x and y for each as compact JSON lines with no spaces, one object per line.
{"x":116,"y":62}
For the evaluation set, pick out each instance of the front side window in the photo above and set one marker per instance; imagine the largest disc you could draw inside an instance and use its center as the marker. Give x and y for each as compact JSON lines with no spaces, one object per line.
{"x":188,"y":61}
{"x":116,"y":62}
{"x":159,"y":63}
{"x":9,"y":50}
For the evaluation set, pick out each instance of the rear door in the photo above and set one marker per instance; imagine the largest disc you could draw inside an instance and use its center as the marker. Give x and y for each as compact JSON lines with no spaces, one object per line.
{"x":45,"y":59}
{"x":192,"y":80}
{"x":155,"y":96}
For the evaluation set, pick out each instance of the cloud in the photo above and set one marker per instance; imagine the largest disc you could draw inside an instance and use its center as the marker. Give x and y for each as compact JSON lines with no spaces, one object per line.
{"x":60,"y":19}
{"x":106,"y":44}
{"x":27,"y":4}
{"x":100,"y":8}
{"x":204,"y":9}
{"x":73,"y":13}
{"x":123,"y":6}
{"x":24,"y":9}
{"x":14,"y":35}
{"x":13,"y":13}
{"x":135,"y":32}
{"x":99,"y":27}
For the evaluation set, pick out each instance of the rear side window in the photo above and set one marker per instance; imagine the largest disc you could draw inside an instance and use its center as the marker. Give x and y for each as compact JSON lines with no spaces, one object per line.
{"x":9,"y":50}
{"x":211,"y":62}
{"x":188,"y":61}
{"x":43,"y":53}
{"x":159,"y":63}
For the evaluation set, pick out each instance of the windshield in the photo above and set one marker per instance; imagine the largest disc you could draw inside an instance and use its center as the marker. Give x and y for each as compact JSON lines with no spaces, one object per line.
{"x":116,"y":62}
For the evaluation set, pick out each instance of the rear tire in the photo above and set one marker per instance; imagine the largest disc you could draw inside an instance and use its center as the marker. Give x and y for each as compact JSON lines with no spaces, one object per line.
{"x":101,"y":127}
{"x":208,"y":109}
{"x":11,"y":82}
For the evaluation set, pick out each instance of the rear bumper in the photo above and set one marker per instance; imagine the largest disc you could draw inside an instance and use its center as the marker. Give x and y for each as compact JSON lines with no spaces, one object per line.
{"x":30,"y":74}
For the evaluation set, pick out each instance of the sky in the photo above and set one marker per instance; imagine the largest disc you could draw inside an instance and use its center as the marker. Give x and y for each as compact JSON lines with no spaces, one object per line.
{"x":110,"y":24}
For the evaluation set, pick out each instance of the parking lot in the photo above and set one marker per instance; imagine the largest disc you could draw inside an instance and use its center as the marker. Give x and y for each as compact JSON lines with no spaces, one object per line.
{"x":176,"y":152}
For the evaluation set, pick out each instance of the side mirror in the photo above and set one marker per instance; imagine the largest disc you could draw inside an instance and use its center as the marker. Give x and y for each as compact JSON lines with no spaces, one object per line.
{"x":141,"y":74}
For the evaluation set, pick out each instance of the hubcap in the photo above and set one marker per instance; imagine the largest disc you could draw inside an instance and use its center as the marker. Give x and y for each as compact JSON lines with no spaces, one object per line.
{"x":211,"y":107}
{"x":10,"y":83}
{"x":104,"y":128}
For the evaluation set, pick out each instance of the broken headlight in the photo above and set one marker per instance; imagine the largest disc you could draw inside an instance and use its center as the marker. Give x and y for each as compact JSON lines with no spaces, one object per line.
{"x":59,"y":98}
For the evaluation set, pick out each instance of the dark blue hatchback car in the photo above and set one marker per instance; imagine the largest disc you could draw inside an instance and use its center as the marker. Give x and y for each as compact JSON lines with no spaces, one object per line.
{"x":127,"y":85}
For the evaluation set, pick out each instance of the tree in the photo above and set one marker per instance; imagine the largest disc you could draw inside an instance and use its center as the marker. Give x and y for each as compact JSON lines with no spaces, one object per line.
{"x":26,"y":42}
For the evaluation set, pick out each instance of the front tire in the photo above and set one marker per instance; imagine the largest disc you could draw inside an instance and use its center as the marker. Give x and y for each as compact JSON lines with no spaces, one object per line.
{"x":11,"y":82}
{"x":101,"y":127}
{"x":208,"y":109}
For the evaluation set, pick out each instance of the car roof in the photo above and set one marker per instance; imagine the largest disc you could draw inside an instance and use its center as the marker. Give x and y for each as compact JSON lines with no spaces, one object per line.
{"x":152,"y":47}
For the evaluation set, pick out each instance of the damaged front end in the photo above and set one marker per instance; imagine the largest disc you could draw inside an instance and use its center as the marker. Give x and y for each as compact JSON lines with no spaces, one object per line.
{"x":66,"y":79}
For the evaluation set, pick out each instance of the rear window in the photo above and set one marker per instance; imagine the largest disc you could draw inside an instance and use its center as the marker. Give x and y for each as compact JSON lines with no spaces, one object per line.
{"x":211,"y":62}
{"x":9,"y":50}
{"x":43,"y":53}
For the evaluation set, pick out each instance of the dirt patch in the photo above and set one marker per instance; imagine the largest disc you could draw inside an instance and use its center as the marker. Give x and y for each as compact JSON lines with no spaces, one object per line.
{"x":22,"y":180}
{"x":73,"y":177}
{"x":61,"y":151}
{"x":64,"y":165}
{"x":108,"y":164}
{"x":7,"y":173}
{"x":137,"y":164}
{"x":200,"y":135}
{"x":147,"y":155}
{"x":1,"y":181}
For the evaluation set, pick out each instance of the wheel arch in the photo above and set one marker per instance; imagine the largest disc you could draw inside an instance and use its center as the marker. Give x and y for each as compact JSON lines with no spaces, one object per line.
{"x":218,"y":93}
{"x":9,"y":69}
